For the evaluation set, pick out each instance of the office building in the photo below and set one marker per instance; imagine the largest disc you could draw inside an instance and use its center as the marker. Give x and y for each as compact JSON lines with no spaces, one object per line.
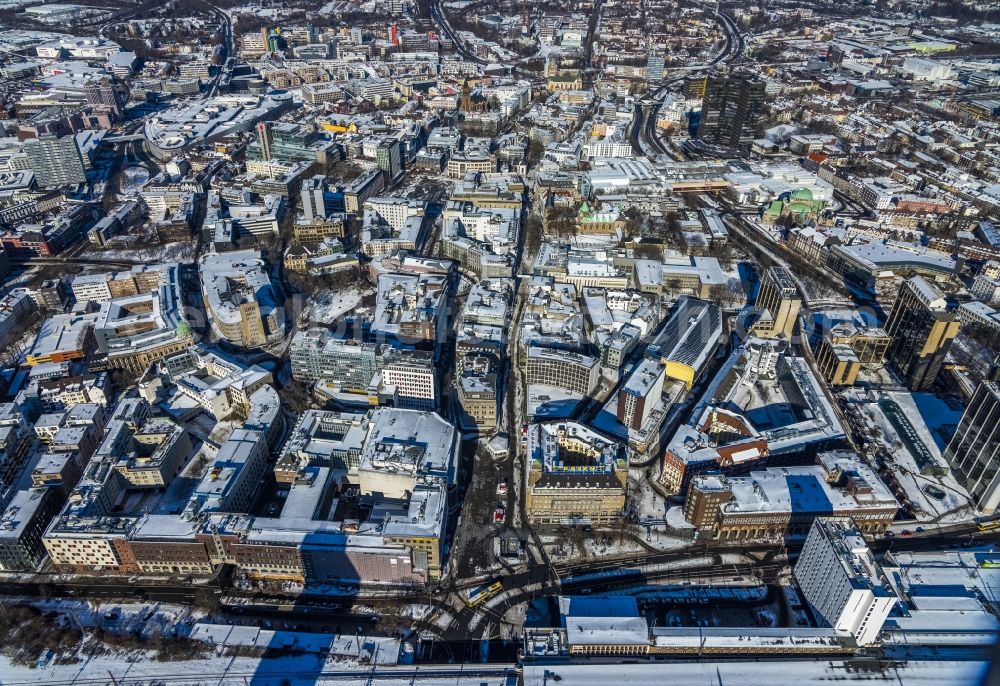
{"x":778,"y":304}
{"x":841,"y":581}
{"x":103,"y":94}
{"x":314,"y":199}
{"x":477,"y":386}
{"x":922,"y":325}
{"x":239,"y":299}
{"x":845,"y":348}
{"x":319,"y":355}
{"x":22,"y":525}
{"x":411,"y":309}
{"x":136,"y":331}
{"x":724,"y":432}
{"x":974,"y":450}
{"x":654,"y":66}
{"x":408,"y":378}
{"x":563,"y":369}
{"x":732,"y":110}
{"x":365,"y":373}
{"x":573,"y":475}
{"x":641,"y":394}
{"x":264,"y":139}
{"x":15,"y":310}
{"x":56,"y":161}
{"x":232,"y":479}
{"x":318,"y":230}
{"x":688,"y":339}
{"x":388,"y":159}
{"x":775,"y":503}
{"x":279,"y":141}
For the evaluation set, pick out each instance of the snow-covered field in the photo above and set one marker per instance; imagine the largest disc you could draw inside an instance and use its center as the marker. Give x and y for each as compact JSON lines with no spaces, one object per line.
{"x":329,"y":306}
{"x":134,"y":179}
{"x":149,"y":619}
{"x":116,"y":636}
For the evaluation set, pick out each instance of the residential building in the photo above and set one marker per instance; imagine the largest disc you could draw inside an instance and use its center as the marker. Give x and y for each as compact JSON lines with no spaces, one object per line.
{"x":56,"y":161}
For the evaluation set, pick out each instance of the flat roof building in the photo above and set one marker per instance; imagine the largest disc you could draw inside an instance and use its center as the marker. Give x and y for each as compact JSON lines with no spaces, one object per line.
{"x":775,"y":503}
{"x":687,"y":339}
{"x":574,"y":475}
{"x":763,"y":402}
{"x":841,"y":581}
{"x":239,"y":299}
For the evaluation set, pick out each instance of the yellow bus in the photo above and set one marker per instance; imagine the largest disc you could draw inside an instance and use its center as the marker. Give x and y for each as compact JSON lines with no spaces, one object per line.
{"x":481,"y":593}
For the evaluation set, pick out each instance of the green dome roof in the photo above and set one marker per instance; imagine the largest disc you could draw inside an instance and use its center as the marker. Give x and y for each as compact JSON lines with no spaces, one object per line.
{"x":184,"y":329}
{"x":802,"y":194}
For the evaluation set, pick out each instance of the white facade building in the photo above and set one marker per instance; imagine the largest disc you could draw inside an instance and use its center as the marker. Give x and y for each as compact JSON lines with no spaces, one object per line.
{"x":840,"y":579}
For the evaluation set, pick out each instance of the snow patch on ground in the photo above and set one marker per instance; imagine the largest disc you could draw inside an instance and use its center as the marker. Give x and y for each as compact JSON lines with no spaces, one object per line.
{"x":328,"y":306}
{"x":182,"y":251}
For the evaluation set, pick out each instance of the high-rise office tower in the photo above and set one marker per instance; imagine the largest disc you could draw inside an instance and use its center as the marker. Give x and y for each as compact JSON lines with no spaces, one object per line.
{"x":974,"y":450}
{"x":102,"y":93}
{"x":388,"y":159}
{"x":993,"y":373}
{"x":265,"y":138}
{"x":654,"y":66}
{"x":694,"y":86}
{"x":922,"y":325}
{"x":732,"y":110}
{"x":778,"y":304}
{"x":56,"y":161}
